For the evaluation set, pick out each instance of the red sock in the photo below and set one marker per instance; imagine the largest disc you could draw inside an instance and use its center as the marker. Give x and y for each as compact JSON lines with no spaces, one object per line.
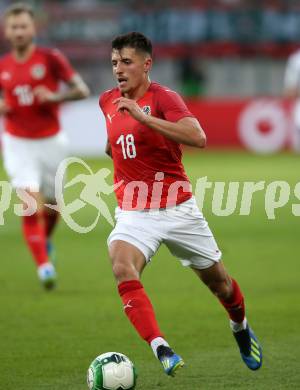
{"x":235,"y":305}
{"x":35,"y":237}
{"x":139,"y":309}
{"x":50,"y":220}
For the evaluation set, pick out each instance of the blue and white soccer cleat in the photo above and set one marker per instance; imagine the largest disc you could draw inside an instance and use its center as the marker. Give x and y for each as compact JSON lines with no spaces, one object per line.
{"x":170,"y":361}
{"x":47,"y":275}
{"x":51,"y":251}
{"x":250,"y":348}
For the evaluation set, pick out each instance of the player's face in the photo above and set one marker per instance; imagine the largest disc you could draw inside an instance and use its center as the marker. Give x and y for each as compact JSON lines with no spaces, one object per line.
{"x":19,"y":30}
{"x":130,"y":68}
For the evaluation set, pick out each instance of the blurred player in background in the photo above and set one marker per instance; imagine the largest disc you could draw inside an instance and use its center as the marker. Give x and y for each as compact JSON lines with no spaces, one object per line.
{"x":292,"y":91}
{"x":146,"y":123}
{"x":33,"y":145}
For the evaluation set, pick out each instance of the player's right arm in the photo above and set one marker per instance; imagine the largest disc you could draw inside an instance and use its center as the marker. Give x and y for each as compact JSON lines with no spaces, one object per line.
{"x":178,"y":124}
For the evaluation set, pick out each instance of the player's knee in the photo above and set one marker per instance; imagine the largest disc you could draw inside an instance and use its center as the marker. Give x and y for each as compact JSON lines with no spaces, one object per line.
{"x":124,"y":271}
{"x":222,"y":289}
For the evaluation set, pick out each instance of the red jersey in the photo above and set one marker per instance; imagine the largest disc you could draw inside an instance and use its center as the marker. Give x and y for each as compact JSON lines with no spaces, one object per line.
{"x":27,"y":117}
{"x":148,"y":164}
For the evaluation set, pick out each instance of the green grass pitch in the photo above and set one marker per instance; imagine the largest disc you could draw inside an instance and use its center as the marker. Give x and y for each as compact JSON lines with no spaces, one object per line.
{"x":47,"y":340}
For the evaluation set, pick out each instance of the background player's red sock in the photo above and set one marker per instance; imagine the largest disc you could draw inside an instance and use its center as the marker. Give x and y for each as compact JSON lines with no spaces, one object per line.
{"x":139,"y":309}
{"x":235,"y":305}
{"x":50,"y":219}
{"x":34,"y":234}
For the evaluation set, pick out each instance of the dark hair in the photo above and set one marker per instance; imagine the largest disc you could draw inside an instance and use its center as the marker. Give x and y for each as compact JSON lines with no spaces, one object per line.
{"x":17,"y":9}
{"x":134,"y":40}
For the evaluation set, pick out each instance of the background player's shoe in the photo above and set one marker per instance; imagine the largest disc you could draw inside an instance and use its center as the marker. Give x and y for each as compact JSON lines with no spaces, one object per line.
{"x":51,"y":252}
{"x":47,"y":275}
{"x":170,"y":361}
{"x":250,"y":348}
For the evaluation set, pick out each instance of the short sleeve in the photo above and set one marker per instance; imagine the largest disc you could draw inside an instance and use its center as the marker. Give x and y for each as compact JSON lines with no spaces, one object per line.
{"x":104,"y":97}
{"x":171,"y":105}
{"x":102,"y":100}
{"x":61,"y":66}
{"x":101,"y":105}
{"x":292,"y":73}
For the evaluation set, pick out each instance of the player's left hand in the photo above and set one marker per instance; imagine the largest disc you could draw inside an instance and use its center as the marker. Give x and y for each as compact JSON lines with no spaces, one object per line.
{"x":44,"y":95}
{"x":131,"y":106}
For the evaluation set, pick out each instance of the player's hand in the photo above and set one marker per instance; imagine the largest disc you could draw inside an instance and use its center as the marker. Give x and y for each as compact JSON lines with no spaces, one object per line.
{"x":131,"y":106}
{"x":44,"y":95}
{"x":4,"y":108}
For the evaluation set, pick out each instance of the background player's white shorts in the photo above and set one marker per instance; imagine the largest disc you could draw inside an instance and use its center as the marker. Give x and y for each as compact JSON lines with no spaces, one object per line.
{"x":182,"y":228}
{"x":32,"y":163}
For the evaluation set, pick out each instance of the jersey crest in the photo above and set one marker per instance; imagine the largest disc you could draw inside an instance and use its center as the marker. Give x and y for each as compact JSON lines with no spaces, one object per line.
{"x":38,"y":71}
{"x":146,"y":110}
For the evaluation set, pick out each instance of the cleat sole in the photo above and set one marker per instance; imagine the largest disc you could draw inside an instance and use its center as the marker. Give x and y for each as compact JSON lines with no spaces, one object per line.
{"x":49,"y":284}
{"x":176,"y":368}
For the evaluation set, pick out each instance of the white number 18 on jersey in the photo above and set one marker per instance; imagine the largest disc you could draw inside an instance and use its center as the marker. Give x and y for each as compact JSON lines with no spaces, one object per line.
{"x":128,"y":146}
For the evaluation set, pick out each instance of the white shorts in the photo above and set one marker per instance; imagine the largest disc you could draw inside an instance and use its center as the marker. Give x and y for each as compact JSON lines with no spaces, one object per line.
{"x":182,"y":228}
{"x":32,"y":163}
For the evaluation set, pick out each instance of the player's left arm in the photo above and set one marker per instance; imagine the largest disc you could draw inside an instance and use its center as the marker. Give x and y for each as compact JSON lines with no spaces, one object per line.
{"x":4,"y":109}
{"x":186,"y":131}
{"x":76,"y":90}
{"x":63,"y":71}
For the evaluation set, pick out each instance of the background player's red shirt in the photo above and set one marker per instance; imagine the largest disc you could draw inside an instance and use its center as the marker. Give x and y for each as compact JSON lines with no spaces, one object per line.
{"x":139,"y":152}
{"x":27,"y":117}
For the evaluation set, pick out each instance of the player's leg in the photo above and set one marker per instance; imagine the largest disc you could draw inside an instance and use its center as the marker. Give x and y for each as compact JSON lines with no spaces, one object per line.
{"x":191,"y":240}
{"x":129,"y":255}
{"x":51,"y":219}
{"x":35,"y":237}
{"x":56,"y":147}
{"x":22,"y":167}
{"x":128,"y":263}
{"x":227,"y":290}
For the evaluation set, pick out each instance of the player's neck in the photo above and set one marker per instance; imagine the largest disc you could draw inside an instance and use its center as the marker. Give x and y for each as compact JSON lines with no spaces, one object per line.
{"x":139,"y":92}
{"x":22,"y":54}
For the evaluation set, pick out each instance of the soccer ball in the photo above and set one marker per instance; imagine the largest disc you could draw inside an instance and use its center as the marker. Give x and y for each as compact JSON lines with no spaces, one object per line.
{"x":111,"y":371}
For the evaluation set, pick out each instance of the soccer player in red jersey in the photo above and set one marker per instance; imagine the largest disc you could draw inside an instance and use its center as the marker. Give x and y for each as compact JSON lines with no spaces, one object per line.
{"x":146,"y":124}
{"x":33,"y":145}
